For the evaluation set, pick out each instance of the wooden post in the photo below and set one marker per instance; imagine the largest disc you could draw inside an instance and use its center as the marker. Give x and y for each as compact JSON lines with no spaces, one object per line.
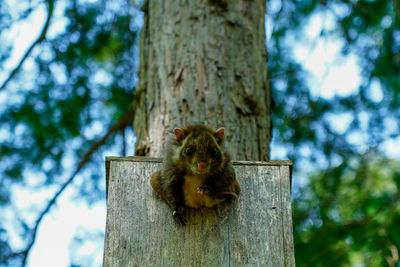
{"x":254,"y":230}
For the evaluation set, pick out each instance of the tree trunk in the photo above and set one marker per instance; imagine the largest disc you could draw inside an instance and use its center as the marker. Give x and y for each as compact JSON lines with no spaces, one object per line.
{"x":204,"y":62}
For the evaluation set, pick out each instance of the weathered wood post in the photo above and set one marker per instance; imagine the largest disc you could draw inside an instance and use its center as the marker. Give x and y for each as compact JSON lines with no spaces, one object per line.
{"x":254,"y":230}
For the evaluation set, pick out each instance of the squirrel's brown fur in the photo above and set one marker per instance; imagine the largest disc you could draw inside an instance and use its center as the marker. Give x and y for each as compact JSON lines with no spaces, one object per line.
{"x":196,"y":171}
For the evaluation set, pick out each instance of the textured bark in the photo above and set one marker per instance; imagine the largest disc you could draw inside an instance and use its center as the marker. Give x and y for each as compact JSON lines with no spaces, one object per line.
{"x":204,"y":61}
{"x":254,"y":230}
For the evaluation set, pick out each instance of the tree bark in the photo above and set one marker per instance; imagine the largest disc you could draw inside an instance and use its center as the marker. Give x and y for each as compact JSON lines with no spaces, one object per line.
{"x":204,"y":62}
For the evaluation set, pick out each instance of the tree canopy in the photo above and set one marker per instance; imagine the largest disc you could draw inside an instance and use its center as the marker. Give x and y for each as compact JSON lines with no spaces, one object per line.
{"x":71,"y":98}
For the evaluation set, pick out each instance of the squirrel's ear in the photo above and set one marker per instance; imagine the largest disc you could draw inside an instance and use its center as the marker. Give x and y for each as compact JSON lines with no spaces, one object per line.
{"x":219,"y":134}
{"x":179,"y":133}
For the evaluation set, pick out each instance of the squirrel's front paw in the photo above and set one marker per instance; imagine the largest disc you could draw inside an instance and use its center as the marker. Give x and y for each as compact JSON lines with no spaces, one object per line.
{"x":178,"y":215}
{"x":204,"y":190}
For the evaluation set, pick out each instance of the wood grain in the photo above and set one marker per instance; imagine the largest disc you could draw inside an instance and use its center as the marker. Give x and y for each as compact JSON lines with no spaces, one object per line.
{"x":255,"y":230}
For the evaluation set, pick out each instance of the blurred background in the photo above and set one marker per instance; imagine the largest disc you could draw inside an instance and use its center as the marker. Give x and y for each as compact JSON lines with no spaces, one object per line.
{"x":67,"y":72}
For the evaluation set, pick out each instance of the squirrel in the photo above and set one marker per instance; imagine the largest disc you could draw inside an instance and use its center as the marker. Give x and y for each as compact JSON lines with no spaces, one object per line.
{"x":197,"y":171}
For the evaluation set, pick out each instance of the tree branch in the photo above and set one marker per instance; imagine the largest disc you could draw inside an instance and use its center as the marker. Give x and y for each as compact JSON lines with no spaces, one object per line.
{"x":41,"y":37}
{"x":119,"y":125}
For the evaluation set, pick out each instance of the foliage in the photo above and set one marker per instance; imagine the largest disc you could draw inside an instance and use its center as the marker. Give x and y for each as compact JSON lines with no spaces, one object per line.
{"x":346,"y":213}
{"x":356,"y":226}
{"x":80,"y":82}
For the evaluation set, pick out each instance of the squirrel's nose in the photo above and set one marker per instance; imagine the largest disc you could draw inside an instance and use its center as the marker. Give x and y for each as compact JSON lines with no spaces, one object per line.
{"x":201,"y":166}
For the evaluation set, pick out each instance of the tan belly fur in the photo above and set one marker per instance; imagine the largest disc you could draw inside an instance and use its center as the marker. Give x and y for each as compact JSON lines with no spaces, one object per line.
{"x":192,"y":197}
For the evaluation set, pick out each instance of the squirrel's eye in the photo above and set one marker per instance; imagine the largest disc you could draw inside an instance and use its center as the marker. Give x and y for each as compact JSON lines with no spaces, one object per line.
{"x":214,"y":152}
{"x":189,"y":151}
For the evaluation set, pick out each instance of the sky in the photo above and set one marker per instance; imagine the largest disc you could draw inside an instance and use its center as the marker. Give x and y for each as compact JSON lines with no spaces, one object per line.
{"x":330,"y":74}
{"x":55,"y":238}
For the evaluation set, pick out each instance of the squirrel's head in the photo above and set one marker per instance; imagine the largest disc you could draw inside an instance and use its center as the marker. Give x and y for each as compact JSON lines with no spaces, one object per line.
{"x":201,"y":148}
